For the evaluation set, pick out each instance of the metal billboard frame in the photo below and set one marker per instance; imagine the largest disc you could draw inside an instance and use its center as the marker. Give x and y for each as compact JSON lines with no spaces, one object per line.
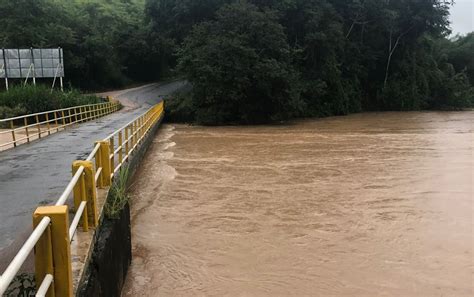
{"x":32,"y":63}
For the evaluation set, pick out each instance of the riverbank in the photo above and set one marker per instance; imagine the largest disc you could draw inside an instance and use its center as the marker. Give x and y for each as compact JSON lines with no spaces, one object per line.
{"x":364,"y":205}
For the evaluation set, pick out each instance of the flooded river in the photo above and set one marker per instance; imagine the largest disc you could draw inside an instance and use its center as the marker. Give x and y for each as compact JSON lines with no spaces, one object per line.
{"x":365,"y":205}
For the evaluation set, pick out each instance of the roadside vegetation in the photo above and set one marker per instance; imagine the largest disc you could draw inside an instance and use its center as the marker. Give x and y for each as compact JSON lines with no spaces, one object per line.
{"x":118,"y":195}
{"x":258,"y":61}
{"x":30,"y":99}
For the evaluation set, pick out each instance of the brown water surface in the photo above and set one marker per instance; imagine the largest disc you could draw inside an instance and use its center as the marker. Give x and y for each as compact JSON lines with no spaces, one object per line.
{"x":365,"y":205}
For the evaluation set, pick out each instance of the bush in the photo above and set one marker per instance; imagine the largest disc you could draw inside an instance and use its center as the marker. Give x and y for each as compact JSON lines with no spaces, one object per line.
{"x":21,"y":100}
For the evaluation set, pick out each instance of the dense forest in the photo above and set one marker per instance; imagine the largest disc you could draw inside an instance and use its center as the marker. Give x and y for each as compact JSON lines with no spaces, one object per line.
{"x":258,"y":60}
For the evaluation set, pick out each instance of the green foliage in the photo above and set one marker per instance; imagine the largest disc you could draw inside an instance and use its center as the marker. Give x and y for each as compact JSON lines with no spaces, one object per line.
{"x":344,"y":56}
{"x":240,"y":77}
{"x":29,"y":99}
{"x":106,"y":43}
{"x":10,"y":112}
{"x":118,"y":195}
{"x":460,"y":53}
{"x":258,"y":60}
{"x":23,"y":285}
{"x":180,"y":107}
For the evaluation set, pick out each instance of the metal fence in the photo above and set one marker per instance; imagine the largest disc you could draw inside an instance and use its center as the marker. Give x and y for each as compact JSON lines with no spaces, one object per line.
{"x":25,"y":128}
{"x":52,"y":232}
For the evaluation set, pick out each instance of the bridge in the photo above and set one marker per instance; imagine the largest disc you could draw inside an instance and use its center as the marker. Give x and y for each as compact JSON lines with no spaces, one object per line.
{"x":38,"y":173}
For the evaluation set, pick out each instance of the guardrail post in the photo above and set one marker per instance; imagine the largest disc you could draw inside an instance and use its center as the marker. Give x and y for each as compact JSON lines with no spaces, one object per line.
{"x":80,"y":195}
{"x":53,"y":251}
{"x":38,"y":124}
{"x":64,"y":118}
{"x":26,"y":129}
{"x":13,"y":133}
{"x":47,"y":123}
{"x":87,"y":192}
{"x":104,"y":155}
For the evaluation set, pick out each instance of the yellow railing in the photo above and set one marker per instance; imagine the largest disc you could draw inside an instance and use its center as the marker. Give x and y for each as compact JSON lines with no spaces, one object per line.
{"x":24,"y":129}
{"x":52,"y":234}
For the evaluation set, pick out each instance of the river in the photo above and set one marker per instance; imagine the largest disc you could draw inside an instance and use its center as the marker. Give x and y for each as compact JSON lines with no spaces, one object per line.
{"x":376,"y":204}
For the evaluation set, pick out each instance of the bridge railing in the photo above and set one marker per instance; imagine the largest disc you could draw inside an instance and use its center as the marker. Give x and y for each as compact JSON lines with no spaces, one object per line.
{"x":52,"y":234}
{"x":23,"y":129}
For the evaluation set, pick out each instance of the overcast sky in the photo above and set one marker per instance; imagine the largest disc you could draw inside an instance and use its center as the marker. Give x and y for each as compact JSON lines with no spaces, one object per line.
{"x":462,"y":15}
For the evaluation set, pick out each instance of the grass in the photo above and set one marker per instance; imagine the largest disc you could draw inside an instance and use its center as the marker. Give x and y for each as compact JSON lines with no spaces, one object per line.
{"x":118,"y":195}
{"x":20,"y":100}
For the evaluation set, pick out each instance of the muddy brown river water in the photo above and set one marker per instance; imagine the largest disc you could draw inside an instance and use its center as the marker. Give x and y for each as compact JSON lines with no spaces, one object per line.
{"x":366,"y":205}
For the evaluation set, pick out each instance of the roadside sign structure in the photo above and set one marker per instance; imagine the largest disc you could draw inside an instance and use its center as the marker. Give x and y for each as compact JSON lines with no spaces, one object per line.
{"x":32,"y":63}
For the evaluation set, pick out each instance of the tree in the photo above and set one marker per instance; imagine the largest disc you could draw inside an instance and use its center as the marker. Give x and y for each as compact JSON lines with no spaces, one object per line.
{"x":240,"y":67}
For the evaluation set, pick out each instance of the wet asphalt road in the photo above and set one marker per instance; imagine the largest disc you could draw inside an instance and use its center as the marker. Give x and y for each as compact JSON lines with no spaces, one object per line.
{"x":38,"y":173}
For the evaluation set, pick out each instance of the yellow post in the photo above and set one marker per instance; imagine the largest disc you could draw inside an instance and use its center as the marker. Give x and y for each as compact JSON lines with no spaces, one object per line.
{"x":53,"y":252}
{"x":26,"y":128}
{"x":126,"y":141}
{"x":47,"y":123}
{"x":64,"y":118}
{"x":69,"y":116}
{"x":112,"y":154}
{"x":75,"y":115}
{"x":80,"y":194}
{"x":98,"y":164}
{"x":56,"y":121}
{"x":80,"y":114}
{"x":134,"y":133}
{"x":13,"y":133}
{"x":87,"y":193}
{"x":44,"y":257}
{"x":38,"y":125}
{"x":120,"y":140}
{"x":104,"y":153}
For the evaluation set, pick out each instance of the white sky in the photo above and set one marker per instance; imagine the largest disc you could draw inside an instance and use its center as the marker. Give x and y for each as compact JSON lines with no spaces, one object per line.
{"x":462,"y":17}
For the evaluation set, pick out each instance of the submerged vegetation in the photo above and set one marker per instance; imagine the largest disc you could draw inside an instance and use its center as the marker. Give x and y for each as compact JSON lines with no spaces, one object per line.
{"x":258,"y":60}
{"x":32,"y":99}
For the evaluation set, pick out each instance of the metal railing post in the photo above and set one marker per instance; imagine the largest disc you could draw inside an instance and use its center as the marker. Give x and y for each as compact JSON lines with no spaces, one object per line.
{"x":104,"y":153}
{"x":56,"y":121}
{"x":13,"y":133}
{"x":64,"y":119}
{"x":75,"y":114}
{"x":112,"y":154}
{"x":26,"y":129}
{"x":47,"y":123}
{"x":89,"y":193}
{"x":126,"y":141}
{"x":120,"y":144}
{"x":44,"y":263}
{"x":80,"y":194}
{"x":53,"y":251}
{"x":69,"y":117}
{"x":98,"y":164}
{"x":38,"y":125}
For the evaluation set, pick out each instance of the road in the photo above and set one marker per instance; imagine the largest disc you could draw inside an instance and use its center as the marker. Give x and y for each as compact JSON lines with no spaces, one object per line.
{"x":37,"y":173}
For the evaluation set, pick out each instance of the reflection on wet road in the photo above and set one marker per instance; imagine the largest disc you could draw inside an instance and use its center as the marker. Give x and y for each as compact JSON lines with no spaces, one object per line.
{"x":365,"y":205}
